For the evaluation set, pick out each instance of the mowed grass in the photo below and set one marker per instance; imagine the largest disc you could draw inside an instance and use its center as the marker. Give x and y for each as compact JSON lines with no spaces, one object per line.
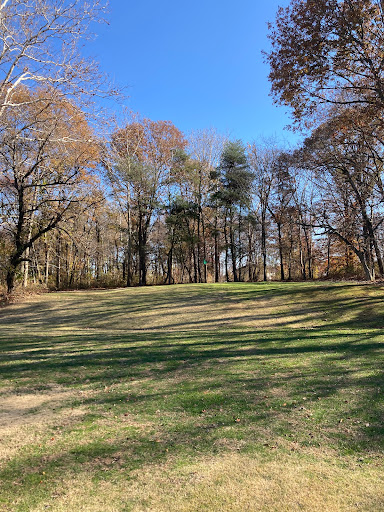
{"x":218,"y":397}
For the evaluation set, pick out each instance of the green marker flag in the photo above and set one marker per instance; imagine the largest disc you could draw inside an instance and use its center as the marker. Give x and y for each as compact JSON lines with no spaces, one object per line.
{"x":204,"y":262}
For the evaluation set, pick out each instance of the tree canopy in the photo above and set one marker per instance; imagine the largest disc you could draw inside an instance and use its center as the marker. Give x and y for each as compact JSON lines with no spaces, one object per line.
{"x":328,"y":52}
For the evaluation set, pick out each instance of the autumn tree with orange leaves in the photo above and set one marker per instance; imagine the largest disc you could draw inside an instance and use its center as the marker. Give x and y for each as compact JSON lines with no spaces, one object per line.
{"x":46,"y":159}
{"x":47,"y":92}
{"x":138,"y":170}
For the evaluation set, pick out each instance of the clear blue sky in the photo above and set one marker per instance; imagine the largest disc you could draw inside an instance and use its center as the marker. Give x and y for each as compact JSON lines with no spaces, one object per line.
{"x":197,"y":63}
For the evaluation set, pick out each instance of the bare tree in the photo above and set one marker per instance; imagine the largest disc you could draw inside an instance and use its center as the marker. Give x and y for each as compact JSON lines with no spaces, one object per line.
{"x":40,"y":45}
{"x":206,"y":146}
{"x":348,"y":171}
{"x":262,"y":160}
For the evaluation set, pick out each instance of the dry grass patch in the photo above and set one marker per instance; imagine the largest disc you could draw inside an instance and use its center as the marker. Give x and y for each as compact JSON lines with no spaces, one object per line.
{"x":26,"y":416}
{"x":231,"y":483}
{"x":239,"y":483}
{"x":181,"y":308}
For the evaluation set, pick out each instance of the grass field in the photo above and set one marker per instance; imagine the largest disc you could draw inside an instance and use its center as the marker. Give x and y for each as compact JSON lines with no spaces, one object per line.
{"x":228,"y":397}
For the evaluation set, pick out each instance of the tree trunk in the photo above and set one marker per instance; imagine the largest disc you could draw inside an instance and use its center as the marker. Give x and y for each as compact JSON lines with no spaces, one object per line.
{"x":11,"y":274}
{"x":367,"y":221}
{"x":217,"y":256}
{"x":169,"y":265}
{"x":46,"y":263}
{"x":264,"y":243}
{"x":98,"y":259}
{"x":250,"y":274}
{"x":233,"y":250}
{"x":282,"y":276}
{"x":198,"y":250}
{"x":142,"y":251}
{"x":58,"y":262}
{"x":308,"y":245}
{"x":204,"y":249}
{"x":129,"y":244}
{"x":328,"y":256}
{"x":26,"y":268}
{"x":226,"y":250}
{"x":369,"y":271}
{"x":302,"y":259}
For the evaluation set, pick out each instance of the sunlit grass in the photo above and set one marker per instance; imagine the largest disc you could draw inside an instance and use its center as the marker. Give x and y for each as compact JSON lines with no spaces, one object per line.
{"x":200,"y":397}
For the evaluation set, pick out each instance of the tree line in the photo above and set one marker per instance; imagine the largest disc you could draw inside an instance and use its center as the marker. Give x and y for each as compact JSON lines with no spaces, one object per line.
{"x":148,"y":204}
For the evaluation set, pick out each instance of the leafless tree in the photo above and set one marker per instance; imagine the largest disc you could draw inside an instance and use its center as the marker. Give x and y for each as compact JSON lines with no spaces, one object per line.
{"x":40,"y":45}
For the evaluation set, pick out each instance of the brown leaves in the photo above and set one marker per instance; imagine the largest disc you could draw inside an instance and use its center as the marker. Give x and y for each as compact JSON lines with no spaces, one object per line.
{"x":150,"y":142}
{"x":326,"y":51}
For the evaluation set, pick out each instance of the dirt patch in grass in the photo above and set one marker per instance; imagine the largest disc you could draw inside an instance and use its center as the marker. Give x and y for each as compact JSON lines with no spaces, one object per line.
{"x":28,"y":408}
{"x":25,"y":416}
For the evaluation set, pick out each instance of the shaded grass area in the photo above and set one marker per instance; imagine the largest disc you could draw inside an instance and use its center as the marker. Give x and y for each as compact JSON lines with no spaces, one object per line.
{"x":166,"y":377}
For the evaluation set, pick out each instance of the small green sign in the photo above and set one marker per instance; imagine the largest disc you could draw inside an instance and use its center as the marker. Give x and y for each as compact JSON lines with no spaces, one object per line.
{"x":204,"y":262}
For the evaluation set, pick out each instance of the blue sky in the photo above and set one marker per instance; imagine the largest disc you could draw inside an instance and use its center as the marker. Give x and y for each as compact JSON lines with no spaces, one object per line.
{"x":198,"y":64}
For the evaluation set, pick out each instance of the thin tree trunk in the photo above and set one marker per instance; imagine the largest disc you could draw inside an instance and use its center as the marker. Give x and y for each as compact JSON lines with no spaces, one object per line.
{"x":282,"y":276}
{"x":233,"y":250}
{"x":264,"y":243}
{"x":46,"y":263}
{"x":250,"y":276}
{"x":129,"y":245}
{"x":226,"y":249}
{"x":58,"y":262}
{"x":169,"y":265}
{"x":204,"y":249}
{"x":198,"y":250}
{"x":302,"y":260}
{"x":142,"y":252}
{"x":328,"y":256}
{"x":217,"y":257}
{"x":98,"y":242}
{"x":26,"y":268}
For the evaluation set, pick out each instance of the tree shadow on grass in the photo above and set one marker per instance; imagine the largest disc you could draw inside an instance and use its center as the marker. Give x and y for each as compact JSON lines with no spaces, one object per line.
{"x":191,"y":389}
{"x":293,"y":360}
{"x":156,"y":393}
{"x":196,"y":307}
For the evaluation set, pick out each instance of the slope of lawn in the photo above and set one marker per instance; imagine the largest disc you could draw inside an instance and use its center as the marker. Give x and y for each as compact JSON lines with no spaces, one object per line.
{"x":227,"y":397}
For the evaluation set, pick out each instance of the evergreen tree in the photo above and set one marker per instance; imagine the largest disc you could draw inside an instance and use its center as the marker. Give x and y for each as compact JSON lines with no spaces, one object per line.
{"x":233,"y":195}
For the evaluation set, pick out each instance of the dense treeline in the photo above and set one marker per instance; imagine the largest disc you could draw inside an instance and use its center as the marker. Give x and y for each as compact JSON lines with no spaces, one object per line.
{"x":167,"y":210}
{"x":148,"y":204}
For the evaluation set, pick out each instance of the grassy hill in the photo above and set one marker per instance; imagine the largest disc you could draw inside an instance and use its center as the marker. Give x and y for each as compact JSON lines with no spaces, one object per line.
{"x":219,"y":397}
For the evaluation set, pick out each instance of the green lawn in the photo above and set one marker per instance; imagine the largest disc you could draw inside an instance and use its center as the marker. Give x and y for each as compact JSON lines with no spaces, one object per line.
{"x":228,"y":397}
